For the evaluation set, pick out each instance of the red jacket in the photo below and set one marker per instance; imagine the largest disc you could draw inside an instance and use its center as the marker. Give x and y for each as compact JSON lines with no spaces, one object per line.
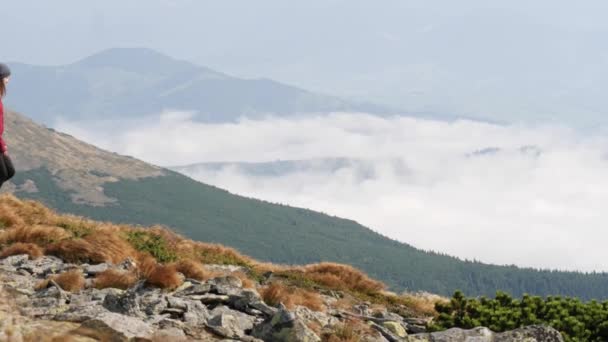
{"x":2,"y":143}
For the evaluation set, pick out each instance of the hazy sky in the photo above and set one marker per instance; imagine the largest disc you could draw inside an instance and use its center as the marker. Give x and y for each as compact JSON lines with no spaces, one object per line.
{"x":509,"y":60}
{"x":539,"y":201}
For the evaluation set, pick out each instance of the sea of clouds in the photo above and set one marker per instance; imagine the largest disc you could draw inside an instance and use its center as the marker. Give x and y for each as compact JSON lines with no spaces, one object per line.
{"x":506,"y":194}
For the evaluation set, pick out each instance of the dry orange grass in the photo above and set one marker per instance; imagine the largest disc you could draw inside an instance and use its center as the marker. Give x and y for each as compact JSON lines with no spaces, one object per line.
{"x":165,"y":277}
{"x":14,"y":212}
{"x":34,"y":251}
{"x":38,"y":234}
{"x":248,"y":283}
{"x":72,"y":281}
{"x":9,"y":218}
{"x":277,"y":293}
{"x":423,"y":303}
{"x":75,"y":239}
{"x":115,"y":279}
{"x":97,"y":247}
{"x":349,"y":331}
{"x":146,"y":264}
{"x":342,"y":277}
{"x":191,"y":269}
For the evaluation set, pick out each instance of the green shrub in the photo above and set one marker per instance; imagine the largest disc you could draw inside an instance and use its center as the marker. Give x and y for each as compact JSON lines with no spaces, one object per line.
{"x":576,"y":320}
{"x":151,"y":243}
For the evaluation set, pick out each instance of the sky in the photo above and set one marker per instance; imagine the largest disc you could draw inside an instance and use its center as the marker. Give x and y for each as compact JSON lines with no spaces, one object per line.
{"x":540,"y":68}
{"x":508,"y":61}
{"x":508,"y":194}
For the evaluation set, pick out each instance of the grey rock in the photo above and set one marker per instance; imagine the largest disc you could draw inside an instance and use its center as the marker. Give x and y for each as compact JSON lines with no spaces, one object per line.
{"x":44,"y":266}
{"x":138,"y":301}
{"x":284,"y":326}
{"x":228,"y":285}
{"x":232,"y":321}
{"x":14,"y":260}
{"x":320,"y":318}
{"x":264,"y":308}
{"x":211,"y":299}
{"x":79,"y":314}
{"x":533,"y":333}
{"x":527,"y":334}
{"x":387,"y":334}
{"x":93,"y":270}
{"x":196,"y":314}
{"x":193,"y":290}
{"x":117,"y":327}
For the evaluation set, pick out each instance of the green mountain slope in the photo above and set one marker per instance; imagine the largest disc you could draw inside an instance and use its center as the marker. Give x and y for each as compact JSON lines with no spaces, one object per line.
{"x":75,"y":177}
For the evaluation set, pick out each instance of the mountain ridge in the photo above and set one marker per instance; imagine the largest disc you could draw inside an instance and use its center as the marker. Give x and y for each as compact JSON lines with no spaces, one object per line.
{"x":137,"y":82}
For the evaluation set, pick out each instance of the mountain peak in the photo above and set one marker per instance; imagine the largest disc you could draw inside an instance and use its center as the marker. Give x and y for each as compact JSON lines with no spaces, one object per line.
{"x":135,"y":59}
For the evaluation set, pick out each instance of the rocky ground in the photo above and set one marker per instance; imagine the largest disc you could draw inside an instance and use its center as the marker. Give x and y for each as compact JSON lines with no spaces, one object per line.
{"x":220,"y":308}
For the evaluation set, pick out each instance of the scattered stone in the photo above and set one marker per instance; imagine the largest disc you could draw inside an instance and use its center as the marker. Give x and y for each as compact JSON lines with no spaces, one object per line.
{"x":396,"y":328}
{"x":93,"y":270}
{"x":284,"y":326}
{"x":116,"y":327}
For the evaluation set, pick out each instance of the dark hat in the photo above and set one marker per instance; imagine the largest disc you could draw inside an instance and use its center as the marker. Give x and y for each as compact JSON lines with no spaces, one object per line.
{"x":4,"y":70}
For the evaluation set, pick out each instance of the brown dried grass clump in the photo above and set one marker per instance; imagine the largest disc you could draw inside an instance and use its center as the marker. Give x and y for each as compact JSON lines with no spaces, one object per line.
{"x":191,"y":269}
{"x":145,"y":265}
{"x":423,"y":304}
{"x":352,"y":330}
{"x":208,"y":253}
{"x":39,"y":234}
{"x":165,"y":277}
{"x":342,"y":277}
{"x":115,"y":279}
{"x":14,"y":212}
{"x":9,"y":218}
{"x":34,"y":251}
{"x":277,"y":293}
{"x":247,"y":282}
{"x":100,"y":246}
{"x":71,"y":281}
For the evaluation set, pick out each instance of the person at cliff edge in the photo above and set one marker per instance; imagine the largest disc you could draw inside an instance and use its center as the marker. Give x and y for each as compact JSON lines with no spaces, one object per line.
{"x":7,"y":171}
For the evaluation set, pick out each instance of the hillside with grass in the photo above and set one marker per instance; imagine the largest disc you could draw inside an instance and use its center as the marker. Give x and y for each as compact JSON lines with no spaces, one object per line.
{"x":110,"y":282}
{"x":74,"y":177}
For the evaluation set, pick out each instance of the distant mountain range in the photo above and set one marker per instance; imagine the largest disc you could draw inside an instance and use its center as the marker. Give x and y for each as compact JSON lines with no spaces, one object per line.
{"x":132,"y":82}
{"x":75,"y":177}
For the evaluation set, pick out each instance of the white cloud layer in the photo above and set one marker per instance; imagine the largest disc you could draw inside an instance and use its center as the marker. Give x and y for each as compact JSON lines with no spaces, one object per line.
{"x":537,"y":201}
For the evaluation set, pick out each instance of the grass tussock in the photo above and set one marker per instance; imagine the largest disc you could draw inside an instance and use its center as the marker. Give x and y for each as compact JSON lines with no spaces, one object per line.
{"x":349,"y":331}
{"x":71,"y":281}
{"x":192,"y":269}
{"x":9,"y":218}
{"x":151,"y":242}
{"x":422,"y":304}
{"x":115,"y":279}
{"x":247,"y":282}
{"x":34,"y":251}
{"x":165,"y":277}
{"x":291,"y":296}
{"x":97,"y":247}
{"x":41,"y":235}
{"x":342,"y":277}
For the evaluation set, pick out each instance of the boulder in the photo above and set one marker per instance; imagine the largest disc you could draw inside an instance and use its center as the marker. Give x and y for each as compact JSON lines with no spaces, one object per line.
{"x":396,"y":328}
{"x":533,"y":333}
{"x":112,"y":326}
{"x":285,"y":326}
{"x":230,"y":323}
